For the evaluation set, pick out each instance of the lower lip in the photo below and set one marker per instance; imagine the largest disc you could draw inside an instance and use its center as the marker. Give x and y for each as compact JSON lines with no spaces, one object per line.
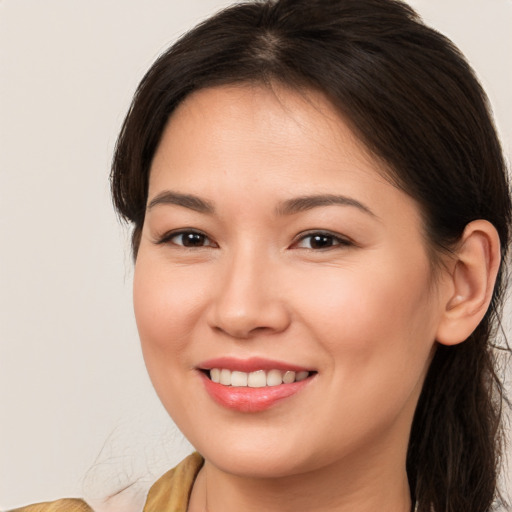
{"x":246,"y":399}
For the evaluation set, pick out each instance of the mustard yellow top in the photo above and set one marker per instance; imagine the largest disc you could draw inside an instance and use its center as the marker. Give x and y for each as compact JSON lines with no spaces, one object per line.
{"x":170,"y":493}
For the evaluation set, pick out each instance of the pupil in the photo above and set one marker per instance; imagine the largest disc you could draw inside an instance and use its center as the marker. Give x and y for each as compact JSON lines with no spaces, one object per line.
{"x":321,"y":241}
{"x":193,"y":240}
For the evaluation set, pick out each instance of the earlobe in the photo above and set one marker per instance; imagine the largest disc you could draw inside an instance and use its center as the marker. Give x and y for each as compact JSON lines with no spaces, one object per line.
{"x":474,"y":271}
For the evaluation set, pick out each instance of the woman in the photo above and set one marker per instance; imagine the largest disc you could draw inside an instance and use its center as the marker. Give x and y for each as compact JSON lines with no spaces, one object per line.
{"x":320,"y":218}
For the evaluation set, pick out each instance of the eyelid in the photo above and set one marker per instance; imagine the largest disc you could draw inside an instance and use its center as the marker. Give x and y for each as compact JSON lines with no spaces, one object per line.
{"x":341,"y":240}
{"x":167,"y":237}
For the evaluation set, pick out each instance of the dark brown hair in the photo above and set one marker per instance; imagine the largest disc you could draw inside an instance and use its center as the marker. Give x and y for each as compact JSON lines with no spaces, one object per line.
{"x":414,"y":101}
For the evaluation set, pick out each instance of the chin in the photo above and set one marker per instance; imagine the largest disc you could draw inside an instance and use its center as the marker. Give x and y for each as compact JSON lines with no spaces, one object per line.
{"x":256,"y":463}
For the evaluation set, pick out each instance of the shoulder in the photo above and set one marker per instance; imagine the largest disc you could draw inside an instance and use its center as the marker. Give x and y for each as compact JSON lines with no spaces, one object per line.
{"x":66,"y":505}
{"x":172,"y":490}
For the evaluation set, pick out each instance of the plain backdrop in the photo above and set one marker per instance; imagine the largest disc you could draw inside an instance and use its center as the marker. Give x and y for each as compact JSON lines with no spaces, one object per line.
{"x":78,"y":416}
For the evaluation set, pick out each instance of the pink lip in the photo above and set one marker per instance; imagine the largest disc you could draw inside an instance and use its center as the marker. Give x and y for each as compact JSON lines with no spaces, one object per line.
{"x":246,"y":399}
{"x":250,"y":365}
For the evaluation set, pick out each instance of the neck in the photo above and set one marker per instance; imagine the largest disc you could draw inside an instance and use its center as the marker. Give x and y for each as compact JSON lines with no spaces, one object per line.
{"x":356,"y":487}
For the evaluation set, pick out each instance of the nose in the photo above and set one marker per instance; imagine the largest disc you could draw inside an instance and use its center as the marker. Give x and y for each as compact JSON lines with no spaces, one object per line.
{"x":248,"y":300}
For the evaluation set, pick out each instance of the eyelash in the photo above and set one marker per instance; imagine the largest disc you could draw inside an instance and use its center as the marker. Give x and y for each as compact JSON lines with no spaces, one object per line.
{"x":332,"y":238}
{"x":336,"y":240}
{"x":168,"y":237}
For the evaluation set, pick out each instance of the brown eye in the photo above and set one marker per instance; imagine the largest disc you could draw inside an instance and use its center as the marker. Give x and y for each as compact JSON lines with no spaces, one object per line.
{"x":190,"y":239}
{"x":319,"y":241}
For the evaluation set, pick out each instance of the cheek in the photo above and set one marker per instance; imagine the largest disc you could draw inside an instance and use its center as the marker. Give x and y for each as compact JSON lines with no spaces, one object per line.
{"x":375,"y":326}
{"x":167,"y":304}
{"x":373,"y":315}
{"x":168,"y":308}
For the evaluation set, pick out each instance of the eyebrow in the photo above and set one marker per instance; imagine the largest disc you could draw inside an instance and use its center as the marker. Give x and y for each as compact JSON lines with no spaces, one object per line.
{"x":300,"y":204}
{"x":288,"y":207}
{"x":186,"y":200}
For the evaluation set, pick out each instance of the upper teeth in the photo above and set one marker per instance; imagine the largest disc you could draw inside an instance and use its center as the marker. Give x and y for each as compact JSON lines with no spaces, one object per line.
{"x":257,"y":379}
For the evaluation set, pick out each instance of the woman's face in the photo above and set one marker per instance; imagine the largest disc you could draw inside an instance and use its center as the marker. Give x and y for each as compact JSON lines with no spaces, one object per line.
{"x":272,"y":244}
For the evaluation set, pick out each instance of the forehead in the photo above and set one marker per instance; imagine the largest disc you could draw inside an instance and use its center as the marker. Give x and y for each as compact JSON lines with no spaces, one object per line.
{"x":245,"y":141}
{"x":257,"y":121}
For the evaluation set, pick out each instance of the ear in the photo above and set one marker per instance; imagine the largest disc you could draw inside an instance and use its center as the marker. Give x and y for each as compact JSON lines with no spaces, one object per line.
{"x":471,"y":282}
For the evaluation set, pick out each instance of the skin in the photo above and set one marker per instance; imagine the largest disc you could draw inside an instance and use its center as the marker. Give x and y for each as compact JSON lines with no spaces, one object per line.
{"x":363,"y":312}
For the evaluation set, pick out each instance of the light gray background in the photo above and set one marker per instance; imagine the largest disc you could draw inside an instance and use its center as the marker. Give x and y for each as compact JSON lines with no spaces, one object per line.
{"x":78,"y":415}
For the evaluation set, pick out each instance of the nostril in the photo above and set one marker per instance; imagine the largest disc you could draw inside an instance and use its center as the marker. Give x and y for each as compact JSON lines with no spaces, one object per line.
{"x":243,"y":334}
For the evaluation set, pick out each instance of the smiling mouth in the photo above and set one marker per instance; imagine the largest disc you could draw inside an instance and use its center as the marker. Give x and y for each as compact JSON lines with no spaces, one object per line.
{"x":256,"y":379}
{"x":261,"y":386}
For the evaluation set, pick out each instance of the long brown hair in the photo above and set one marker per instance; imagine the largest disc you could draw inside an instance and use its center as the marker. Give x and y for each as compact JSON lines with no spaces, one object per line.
{"x":414,"y":101}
